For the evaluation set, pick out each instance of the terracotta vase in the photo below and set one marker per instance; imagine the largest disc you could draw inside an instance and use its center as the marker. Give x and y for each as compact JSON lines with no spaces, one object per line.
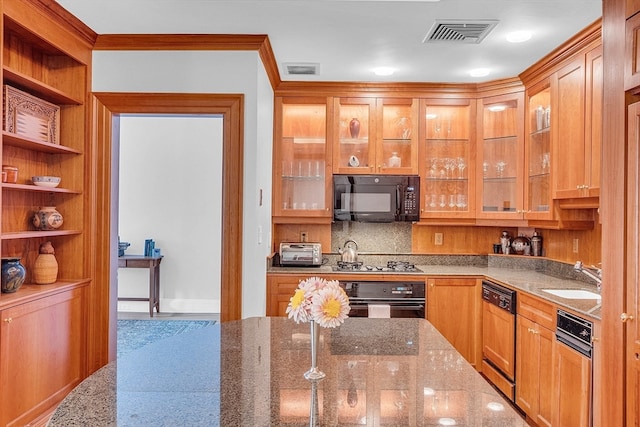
{"x":354,"y":128}
{"x":45,"y":269}
{"x":12,"y":275}
{"x":47,"y":218}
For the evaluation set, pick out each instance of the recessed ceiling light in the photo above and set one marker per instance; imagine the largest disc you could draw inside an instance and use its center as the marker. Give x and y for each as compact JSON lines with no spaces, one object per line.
{"x":518,"y":36}
{"x":479,"y":72}
{"x":384,"y":71}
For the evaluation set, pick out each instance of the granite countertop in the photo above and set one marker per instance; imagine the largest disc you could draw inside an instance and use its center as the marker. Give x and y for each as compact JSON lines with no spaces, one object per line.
{"x":524,"y":274}
{"x":250,"y":373}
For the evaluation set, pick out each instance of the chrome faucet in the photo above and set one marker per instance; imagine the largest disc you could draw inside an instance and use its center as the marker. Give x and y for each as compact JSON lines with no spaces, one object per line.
{"x":597,"y":276}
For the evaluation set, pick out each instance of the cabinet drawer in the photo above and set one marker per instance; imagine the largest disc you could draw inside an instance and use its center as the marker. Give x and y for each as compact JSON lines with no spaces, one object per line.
{"x":536,"y":310}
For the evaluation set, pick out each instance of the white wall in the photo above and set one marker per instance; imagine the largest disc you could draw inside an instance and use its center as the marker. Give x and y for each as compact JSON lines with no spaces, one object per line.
{"x":171,"y":191}
{"x":214,"y":72}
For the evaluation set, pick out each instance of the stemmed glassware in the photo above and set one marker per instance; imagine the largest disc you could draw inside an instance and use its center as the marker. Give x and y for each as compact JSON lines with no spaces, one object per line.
{"x":461,"y":163}
{"x":500,"y":166}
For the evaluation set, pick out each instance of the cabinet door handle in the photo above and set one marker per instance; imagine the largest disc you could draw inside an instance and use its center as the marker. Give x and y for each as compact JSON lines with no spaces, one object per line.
{"x":624,"y":317}
{"x":8,"y":320}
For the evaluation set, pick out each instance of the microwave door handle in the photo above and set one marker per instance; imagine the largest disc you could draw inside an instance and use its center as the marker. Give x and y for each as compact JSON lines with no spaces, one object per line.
{"x":398,"y":200}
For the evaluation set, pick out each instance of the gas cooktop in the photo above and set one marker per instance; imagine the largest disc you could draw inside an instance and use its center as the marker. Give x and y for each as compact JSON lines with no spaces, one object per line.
{"x":392,"y":266}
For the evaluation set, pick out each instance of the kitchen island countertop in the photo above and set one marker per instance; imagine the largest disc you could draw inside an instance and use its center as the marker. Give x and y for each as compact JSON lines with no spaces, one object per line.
{"x":250,"y":373}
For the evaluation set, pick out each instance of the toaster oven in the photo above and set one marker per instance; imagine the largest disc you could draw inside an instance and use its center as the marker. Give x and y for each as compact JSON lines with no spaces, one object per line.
{"x":301,"y":254}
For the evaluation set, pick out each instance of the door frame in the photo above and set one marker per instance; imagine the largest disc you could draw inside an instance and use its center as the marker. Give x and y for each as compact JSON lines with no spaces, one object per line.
{"x":107,"y":106}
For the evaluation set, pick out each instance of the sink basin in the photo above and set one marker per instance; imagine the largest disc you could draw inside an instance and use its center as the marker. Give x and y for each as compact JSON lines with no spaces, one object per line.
{"x":573,"y":293}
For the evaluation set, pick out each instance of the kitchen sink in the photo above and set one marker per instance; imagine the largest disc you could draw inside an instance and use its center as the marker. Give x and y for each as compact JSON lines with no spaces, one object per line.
{"x":573,"y":293}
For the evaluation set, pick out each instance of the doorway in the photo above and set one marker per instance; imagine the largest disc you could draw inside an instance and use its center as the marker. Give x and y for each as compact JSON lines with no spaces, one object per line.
{"x":107,"y":110}
{"x":170,"y":191}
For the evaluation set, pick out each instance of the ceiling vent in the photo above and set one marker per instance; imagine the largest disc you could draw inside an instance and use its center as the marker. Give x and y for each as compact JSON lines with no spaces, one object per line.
{"x":459,"y":31}
{"x":305,"y":69}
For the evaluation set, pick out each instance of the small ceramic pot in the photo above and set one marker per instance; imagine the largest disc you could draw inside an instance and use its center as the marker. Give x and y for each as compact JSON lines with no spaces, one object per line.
{"x":47,"y":218}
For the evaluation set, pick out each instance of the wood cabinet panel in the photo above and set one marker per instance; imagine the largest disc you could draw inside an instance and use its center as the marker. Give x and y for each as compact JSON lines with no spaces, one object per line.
{"x":280,"y":289}
{"x":499,"y":348}
{"x":534,"y":370}
{"x":447,"y":161}
{"x":42,"y":354}
{"x":632,"y":54}
{"x":632,"y":271}
{"x":302,"y":160}
{"x":500,"y":157}
{"x":454,"y":308}
{"x":577,"y":137}
{"x":632,"y":7}
{"x":537,"y":310}
{"x":567,"y":105}
{"x":375,"y":136}
{"x":571,"y":388}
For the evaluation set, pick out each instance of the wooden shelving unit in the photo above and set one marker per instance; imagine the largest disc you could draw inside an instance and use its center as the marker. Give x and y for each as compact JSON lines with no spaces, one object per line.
{"x":43,"y":328}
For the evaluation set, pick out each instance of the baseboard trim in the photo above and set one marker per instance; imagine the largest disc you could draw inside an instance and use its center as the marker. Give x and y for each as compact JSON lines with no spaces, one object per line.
{"x":173,"y":306}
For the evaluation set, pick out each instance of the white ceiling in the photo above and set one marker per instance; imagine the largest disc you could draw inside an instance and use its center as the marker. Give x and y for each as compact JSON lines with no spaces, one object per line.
{"x":348,"y":38}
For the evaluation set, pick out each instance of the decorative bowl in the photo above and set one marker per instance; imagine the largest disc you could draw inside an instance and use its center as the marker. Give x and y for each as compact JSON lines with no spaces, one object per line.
{"x":46,"y":181}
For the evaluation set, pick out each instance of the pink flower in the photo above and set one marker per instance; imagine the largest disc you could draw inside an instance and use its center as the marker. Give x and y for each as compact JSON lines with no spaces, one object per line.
{"x":320,"y":300}
{"x":330,"y":307}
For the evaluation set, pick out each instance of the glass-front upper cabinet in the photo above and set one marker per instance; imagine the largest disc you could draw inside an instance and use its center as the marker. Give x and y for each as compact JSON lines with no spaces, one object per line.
{"x":501,"y":157}
{"x":301,"y":175}
{"x":375,"y":136}
{"x":538,"y":156}
{"x":447,"y":158}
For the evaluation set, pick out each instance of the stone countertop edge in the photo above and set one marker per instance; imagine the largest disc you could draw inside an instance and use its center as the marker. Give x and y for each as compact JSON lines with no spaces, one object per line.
{"x":518,"y":273}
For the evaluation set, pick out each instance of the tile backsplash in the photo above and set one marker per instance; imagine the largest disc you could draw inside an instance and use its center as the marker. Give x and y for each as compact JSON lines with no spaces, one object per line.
{"x":384,"y":238}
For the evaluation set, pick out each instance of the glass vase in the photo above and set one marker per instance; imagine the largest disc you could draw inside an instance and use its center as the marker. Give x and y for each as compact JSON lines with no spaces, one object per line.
{"x":314,"y":373}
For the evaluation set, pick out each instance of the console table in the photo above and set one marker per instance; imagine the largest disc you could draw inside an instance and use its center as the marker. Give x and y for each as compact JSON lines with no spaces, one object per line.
{"x":153,"y":264}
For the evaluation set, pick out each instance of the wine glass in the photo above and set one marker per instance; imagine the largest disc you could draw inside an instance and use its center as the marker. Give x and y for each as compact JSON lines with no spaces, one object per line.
{"x":461,"y":166}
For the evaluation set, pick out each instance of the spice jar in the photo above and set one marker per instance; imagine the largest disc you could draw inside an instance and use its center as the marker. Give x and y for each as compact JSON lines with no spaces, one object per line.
{"x":11,"y":173}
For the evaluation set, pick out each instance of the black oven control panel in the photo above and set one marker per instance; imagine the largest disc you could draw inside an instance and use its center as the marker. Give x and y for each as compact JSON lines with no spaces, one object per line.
{"x":375,"y":290}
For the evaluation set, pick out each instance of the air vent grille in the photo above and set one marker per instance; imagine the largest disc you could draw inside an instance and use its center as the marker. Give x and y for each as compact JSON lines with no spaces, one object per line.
{"x":458,"y":31}
{"x":308,"y":69}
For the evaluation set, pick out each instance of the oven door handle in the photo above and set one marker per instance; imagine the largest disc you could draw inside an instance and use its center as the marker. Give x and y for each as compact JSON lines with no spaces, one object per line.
{"x":394,"y":306}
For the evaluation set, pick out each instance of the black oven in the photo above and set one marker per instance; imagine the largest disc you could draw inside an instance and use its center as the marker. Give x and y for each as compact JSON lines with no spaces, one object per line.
{"x":404,"y":299}
{"x":376,"y":198}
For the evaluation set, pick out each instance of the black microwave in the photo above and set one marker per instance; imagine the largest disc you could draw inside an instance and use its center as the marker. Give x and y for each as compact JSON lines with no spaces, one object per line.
{"x":376,"y":198}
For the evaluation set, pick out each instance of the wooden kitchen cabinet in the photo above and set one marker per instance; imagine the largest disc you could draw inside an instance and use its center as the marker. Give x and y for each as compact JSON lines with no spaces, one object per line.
{"x":454,"y":307}
{"x":42,"y":350}
{"x":577,"y":116}
{"x":302,"y":179}
{"x":500,"y":174}
{"x":280,"y":288}
{"x":538,"y":156}
{"x":572,"y":387}
{"x":375,"y":136}
{"x":535,"y":338}
{"x":632,"y":53}
{"x":447,"y":158}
